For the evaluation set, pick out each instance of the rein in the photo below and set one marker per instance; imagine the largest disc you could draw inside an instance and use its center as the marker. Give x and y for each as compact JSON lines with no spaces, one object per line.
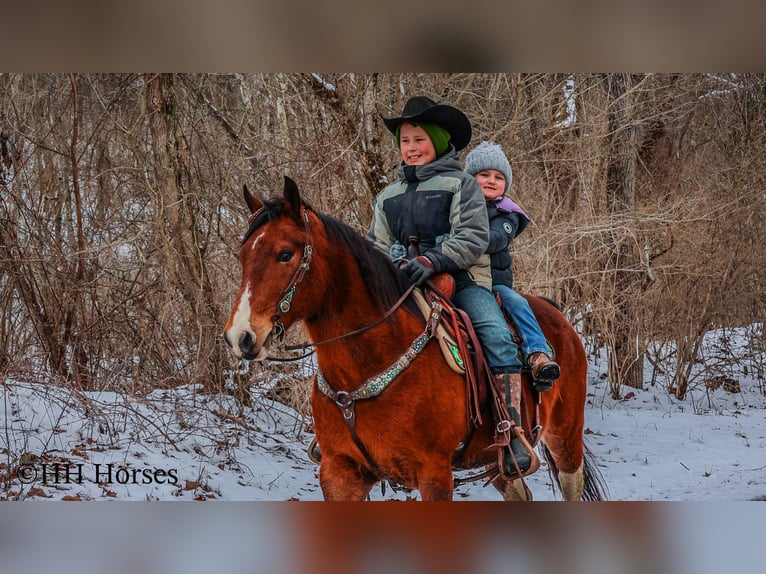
{"x":305,"y":345}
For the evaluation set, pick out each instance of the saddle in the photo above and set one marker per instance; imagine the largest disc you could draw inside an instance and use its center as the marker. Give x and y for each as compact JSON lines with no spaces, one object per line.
{"x":458,"y":341}
{"x":463,"y":353}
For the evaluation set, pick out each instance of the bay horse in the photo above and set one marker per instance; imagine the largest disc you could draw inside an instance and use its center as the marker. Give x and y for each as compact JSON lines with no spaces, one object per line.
{"x":386,"y":405}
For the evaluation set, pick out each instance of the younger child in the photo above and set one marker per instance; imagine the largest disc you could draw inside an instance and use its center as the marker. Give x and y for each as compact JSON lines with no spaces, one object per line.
{"x":489,"y":165}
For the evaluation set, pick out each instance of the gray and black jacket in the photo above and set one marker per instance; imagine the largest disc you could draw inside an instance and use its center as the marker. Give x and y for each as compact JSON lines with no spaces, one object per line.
{"x":443,"y":207}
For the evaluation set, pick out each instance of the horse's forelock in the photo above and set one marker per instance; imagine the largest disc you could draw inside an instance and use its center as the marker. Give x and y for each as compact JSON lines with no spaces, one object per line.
{"x":272,"y":208}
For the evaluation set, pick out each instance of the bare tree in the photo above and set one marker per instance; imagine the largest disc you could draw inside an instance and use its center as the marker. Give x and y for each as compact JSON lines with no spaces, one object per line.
{"x":625,"y":355}
{"x":121,"y":211}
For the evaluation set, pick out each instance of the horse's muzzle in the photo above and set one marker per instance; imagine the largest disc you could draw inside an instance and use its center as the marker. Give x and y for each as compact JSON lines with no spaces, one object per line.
{"x":245,"y":342}
{"x":246,"y":347}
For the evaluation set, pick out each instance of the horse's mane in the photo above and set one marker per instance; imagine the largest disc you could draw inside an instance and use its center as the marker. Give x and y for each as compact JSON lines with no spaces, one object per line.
{"x":383,"y":280}
{"x":551,"y":302}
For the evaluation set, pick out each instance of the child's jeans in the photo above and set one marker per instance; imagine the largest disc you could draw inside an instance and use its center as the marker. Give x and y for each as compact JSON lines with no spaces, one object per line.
{"x":517,"y":307}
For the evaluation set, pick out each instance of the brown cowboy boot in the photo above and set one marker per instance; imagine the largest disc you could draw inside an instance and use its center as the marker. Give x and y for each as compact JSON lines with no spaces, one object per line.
{"x":508,"y":386}
{"x":544,"y":371}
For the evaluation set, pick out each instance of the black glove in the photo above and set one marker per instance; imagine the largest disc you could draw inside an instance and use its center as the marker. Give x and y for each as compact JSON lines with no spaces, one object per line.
{"x":419,"y":269}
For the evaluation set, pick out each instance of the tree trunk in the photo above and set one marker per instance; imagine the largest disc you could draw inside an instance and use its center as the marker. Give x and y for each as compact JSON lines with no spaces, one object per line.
{"x":626,"y":354}
{"x":176,"y":220}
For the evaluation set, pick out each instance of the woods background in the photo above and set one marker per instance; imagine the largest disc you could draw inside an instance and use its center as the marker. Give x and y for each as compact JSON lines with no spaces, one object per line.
{"x":121,"y":209}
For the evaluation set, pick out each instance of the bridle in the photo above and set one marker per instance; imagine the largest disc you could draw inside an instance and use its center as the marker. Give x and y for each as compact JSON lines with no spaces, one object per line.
{"x":278,"y":330}
{"x":286,"y":298}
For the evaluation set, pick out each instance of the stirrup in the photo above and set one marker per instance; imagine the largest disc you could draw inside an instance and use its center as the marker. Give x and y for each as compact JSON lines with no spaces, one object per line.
{"x":313,"y":451}
{"x":506,"y":455}
{"x":512,"y":459}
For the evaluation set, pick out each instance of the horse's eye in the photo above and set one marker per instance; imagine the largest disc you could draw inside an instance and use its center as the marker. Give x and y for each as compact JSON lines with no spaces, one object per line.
{"x":285,"y":256}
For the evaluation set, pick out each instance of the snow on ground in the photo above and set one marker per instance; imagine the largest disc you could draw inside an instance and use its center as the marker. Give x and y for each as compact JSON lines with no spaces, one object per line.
{"x":179,"y":444}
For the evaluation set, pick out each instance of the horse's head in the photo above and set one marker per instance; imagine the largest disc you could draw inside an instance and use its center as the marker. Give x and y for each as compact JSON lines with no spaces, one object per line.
{"x":275,"y":256}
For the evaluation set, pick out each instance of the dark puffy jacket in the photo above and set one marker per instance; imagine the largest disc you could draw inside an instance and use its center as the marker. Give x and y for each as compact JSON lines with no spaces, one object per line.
{"x":429,"y":202}
{"x":506,"y":222}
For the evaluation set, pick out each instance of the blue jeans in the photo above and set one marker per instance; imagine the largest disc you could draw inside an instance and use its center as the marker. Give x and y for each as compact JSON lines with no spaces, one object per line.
{"x":518,"y":309}
{"x":495,"y":337}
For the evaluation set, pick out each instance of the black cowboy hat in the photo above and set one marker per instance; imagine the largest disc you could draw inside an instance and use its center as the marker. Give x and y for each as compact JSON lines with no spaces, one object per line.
{"x":424,"y":109}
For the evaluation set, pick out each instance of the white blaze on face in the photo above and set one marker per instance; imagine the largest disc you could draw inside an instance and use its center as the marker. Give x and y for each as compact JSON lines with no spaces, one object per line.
{"x":255,"y":241}
{"x":241,"y":321}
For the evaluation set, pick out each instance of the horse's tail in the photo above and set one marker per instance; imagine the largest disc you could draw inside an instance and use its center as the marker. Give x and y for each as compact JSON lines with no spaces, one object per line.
{"x":594,"y":485}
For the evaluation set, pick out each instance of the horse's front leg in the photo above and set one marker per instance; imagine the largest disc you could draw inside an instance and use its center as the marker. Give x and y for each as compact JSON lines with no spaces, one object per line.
{"x":341,"y":479}
{"x":436,"y":482}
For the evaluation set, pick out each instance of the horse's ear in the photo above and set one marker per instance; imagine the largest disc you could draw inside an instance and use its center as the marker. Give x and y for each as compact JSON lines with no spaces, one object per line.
{"x":292,"y":195}
{"x":253,"y":203}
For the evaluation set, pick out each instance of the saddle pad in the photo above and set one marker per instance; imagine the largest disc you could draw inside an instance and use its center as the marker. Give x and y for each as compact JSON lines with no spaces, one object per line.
{"x":447,"y":342}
